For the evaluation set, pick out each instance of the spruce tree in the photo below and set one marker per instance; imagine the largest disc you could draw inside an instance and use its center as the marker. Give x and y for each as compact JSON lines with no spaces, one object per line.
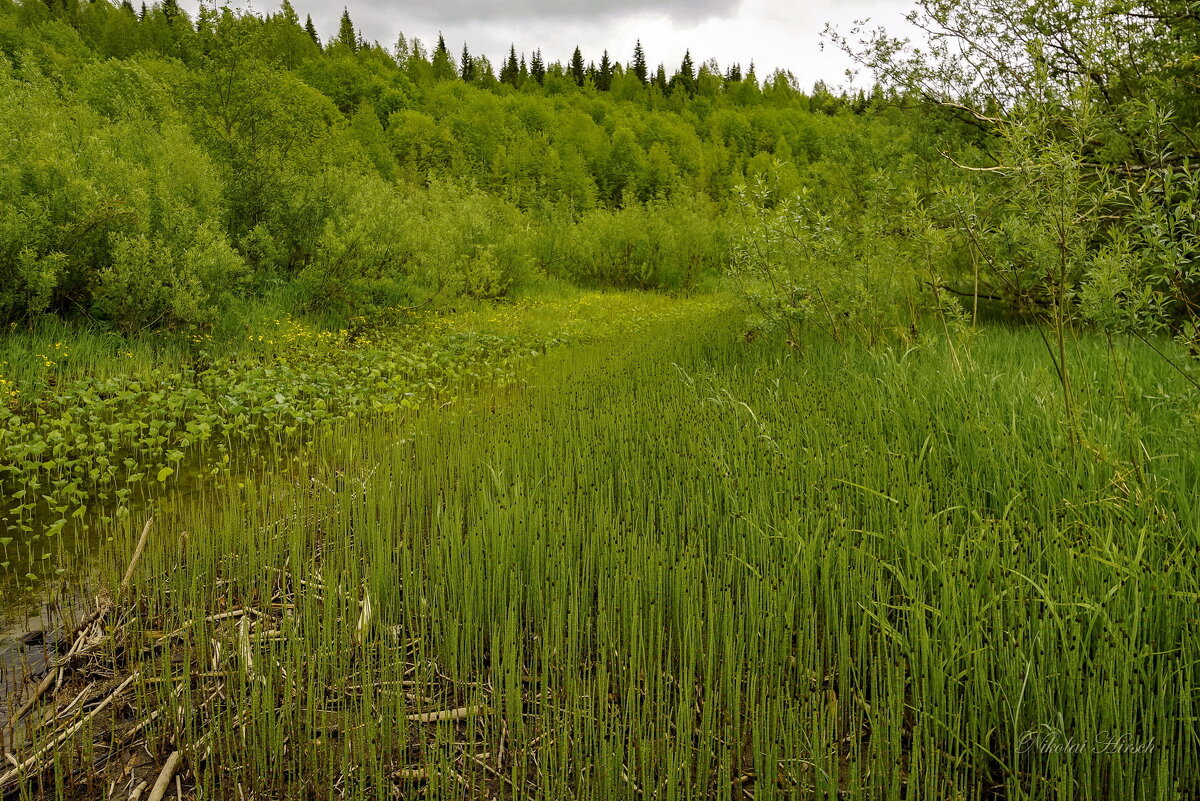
{"x":467,"y":66}
{"x":639,"y":62}
{"x":170,"y":10}
{"x":687,"y":69}
{"x":537,"y":67}
{"x":346,"y":33}
{"x":604,"y":75}
{"x":685,"y":79}
{"x":523,"y":75}
{"x":577,"y":70}
{"x":311,"y":30}
{"x":878,"y":100}
{"x":735,"y":73}
{"x":510,"y":70}
{"x":443,"y":63}
{"x":660,"y":79}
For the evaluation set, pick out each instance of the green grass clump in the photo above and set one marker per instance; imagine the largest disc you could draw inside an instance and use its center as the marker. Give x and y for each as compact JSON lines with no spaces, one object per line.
{"x":681,"y":565}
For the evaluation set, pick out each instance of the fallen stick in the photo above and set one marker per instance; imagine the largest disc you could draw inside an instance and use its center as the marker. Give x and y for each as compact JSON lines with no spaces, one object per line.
{"x":210,"y":619}
{"x":55,"y":673}
{"x":44,"y":685}
{"x":137,"y":555}
{"x":164,"y":777}
{"x":54,"y":714}
{"x":67,"y":734}
{"x":449,"y":714}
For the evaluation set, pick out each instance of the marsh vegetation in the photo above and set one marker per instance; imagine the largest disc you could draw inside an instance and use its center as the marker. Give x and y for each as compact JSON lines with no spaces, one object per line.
{"x":716,"y":439}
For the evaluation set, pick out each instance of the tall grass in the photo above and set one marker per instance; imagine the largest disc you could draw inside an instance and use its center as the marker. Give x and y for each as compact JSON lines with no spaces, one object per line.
{"x":679,"y":565}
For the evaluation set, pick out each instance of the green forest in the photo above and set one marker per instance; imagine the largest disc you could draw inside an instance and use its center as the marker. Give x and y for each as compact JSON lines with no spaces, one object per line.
{"x":244,"y":156}
{"x":379,"y":420}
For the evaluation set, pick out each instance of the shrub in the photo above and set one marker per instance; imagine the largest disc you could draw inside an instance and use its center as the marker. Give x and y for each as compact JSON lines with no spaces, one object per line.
{"x":391,"y":244}
{"x":362,"y":253}
{"x":851,"y":273}
{"x":154,"y":281}
{"x":113,"y":214}
{"x":664,"y":245}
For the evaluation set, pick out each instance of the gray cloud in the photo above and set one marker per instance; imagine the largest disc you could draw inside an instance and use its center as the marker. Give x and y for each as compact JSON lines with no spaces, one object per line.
{"x":467,"y":11}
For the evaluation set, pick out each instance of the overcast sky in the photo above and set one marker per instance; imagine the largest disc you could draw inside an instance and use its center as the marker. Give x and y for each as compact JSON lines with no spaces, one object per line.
{"x":773,"y":33}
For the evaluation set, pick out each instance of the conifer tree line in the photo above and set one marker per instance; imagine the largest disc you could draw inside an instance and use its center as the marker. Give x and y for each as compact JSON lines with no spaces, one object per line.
{"x":515,"y":70}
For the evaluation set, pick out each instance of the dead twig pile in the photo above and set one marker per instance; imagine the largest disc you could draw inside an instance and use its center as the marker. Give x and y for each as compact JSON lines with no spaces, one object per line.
{"x":133,"y":708}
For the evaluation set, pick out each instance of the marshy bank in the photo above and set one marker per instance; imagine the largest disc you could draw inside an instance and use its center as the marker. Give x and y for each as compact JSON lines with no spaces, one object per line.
{"x":101,"y":435}
{"x":672,"y":564}
{"x":95,"y":430}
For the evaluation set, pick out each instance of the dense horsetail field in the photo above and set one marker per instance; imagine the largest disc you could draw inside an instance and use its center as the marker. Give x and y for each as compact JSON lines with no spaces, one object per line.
{"x":678,"y":563}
